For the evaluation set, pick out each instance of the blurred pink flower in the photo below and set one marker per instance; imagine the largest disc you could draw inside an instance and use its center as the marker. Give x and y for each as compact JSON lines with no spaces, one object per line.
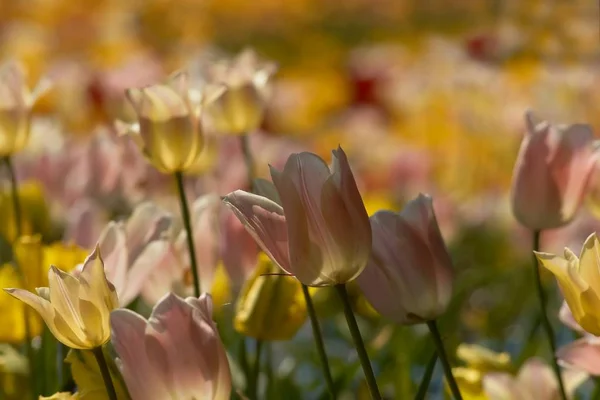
{"x":582,"y":354}
{"x":176,"y":353}
{"x":408,"y":278}
{"x":535,"y":380}
{"x":551,"y":173}
{"x":321,"y":234}
{"x":134,"y":249}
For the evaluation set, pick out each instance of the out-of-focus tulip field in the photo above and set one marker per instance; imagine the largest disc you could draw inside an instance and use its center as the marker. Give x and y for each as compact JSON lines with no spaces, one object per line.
{"x":303,"y":199}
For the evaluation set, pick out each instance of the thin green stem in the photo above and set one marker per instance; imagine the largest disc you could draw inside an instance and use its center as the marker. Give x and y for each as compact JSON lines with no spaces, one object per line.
{"x":110,"y":389}
{"x":243,"y":360}
{"x":16,"y":203}
{"x":253,"y":384}
{"x":314,"y":322}
{"x":424,"y":385}
{"x":185,"y":214}
{"x":358,"y":343}
{"x":439,"y":344}
{"x":545,"y":320}
{"x":248,"y":159}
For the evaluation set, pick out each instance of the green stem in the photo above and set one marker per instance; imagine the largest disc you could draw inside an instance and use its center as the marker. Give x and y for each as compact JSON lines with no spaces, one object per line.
{"x":253,"y":384}
{"x":424,"y":385}
{"x":243,"y":360}
{"x":110,"y":389}
{"x":596,"y":392}
{"x":358,"y":343}
{"x":185,"y":213}
{"x":269,"y":372}
{"x":545,"y":321}
{"x":314,"y":322}
{"x":439,"y":344}
{"x":14,"y":191}
{"x":249,"y":160}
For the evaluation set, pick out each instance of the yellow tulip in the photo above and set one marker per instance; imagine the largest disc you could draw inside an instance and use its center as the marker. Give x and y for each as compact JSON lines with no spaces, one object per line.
{"x":75,"y":308}
{"x":14,"y":378}
{"x":483,"y":359}
{"x":168,"y":131}
{"x":270,"y":307}
{"x":470,"y":383}
{"x":579,"y":281}
{"x":61,"y":396}
{"x":35,"y":216}
{"x":16,"y":101}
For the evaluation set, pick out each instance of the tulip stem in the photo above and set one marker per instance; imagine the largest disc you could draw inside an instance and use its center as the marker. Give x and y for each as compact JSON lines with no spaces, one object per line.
{"x":358,"y":343}
{"x":424,"y":385}
{"x":439,"y":344}
{"x":314,"y":322}
{"x":185,"y":213}
{"x":248,"y":159}
{"x":110,"y":389}
{"x":14,"y":191}
{"x":545,"y":321}
{"x":253,"y":384}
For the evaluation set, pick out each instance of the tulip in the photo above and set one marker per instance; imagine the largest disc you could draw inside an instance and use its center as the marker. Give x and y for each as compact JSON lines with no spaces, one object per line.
{"x":582,"y":354}
{"x":176,"y":353}
{"x":409,"y":276}
{"x":322,"y":233}
{"x":168,"y":130}
{"x":135,"y":249}
{"x":535,"y":380}
{"x":75,"y":308}
{"x":35,"y":215}
{"x":270,"y":307}
{"x":238,"y":106}
{"x":553,"y":168}
{"x":579,"y":281}
{"x":16,"y":102}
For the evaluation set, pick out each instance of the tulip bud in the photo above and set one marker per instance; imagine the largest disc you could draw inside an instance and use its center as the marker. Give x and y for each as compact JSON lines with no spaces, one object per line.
{"x":239,"y":105}
{"x":408,"y":278}
{"x":579,"y":281}
{"x":168,"y":131}
{"x":76,"y":309}
{"x":176,"y":353}
{"x":270,"y":307}
{"x":16,"y":102}
{"x":551,"y":173}
{"x":322,"y":233}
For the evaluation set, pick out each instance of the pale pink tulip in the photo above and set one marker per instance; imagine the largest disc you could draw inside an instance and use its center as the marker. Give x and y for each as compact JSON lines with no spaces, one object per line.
{"x":133,"y":250}
{"x":582,"y":354}
{"x":409,"y":276}
{"x":535,"y":381}
{"x":322,"y":233}
{"x":175,"y":354}
{"x":553,"y":168}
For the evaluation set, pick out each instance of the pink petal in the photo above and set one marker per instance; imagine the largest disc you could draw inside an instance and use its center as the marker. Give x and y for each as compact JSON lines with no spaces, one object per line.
{"x":583,"y":354}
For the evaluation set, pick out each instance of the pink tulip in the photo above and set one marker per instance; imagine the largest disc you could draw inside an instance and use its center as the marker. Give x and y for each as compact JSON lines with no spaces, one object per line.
{"x":175,"y":354}
{"x":535,"y":380}
{"x":132,"y":251}
{"x":409,"y":276}
{"x":553,"y":168}
{"x":582,"y":354}
{"x":321,"y":234}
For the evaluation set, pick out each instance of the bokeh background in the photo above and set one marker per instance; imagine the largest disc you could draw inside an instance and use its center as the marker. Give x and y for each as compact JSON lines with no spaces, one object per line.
{"x":425,"y":96}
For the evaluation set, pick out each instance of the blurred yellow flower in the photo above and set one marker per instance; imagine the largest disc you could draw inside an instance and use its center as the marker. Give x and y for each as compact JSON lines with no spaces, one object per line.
{"x":270,"y":307}
{"x":579,"y":281}
{"x":75,"y":308}
{"x":470,"y":383}
{"x":220,"y":290}
{"x":13,"y":373}
{"x":35,"y":214}
{"x":62,"y":396}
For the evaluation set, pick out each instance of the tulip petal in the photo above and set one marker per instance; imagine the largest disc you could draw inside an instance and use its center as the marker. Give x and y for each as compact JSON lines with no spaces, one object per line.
{"x":128,"y":329}
{"x":144,"y":265}
{"x":265,"y":221}
{"x":113,"y":246}
{"x":64,"y":296}
{"x":582,"y":354}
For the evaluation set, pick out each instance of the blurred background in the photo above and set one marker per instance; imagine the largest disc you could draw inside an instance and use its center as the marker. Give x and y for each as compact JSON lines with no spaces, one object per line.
{"x":425,"y":96}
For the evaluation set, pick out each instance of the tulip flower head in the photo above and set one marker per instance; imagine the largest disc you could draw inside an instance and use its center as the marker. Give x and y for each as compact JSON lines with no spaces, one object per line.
{"x":535,"y":380}
{"x":239,"y":105}
{"x":408,"y":278}
{"x":271,"y":306}
{"x":553,"y":168}
{"x":16,"y":102}
{"x":321,"y":233}
{"x":168,"y":131}
{"x":175,"y":354}
{"x":579,"y":281}
{"x":75,"y":308}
